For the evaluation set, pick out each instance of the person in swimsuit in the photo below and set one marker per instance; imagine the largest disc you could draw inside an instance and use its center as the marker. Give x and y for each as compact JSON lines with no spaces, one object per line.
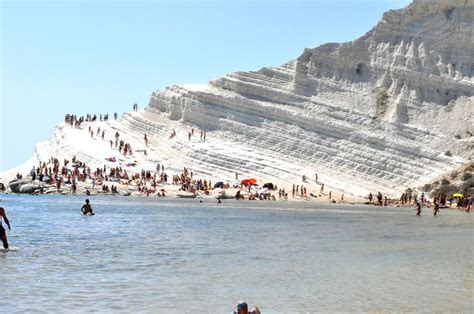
{"x":418,"y":208}
{"x":87,"y":209}
{"x":436,"y":205}
{"x":3,"y":234}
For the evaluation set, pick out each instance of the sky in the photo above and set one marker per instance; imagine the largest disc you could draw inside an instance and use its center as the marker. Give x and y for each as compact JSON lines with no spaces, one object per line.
{"x":81,"y":57}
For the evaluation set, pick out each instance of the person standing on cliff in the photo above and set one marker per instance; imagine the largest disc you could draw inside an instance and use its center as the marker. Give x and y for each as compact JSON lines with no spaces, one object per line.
{"x":3,"y":234}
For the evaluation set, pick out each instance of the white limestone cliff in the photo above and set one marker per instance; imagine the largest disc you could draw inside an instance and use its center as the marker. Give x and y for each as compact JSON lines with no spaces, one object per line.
{"x":378,"y":113}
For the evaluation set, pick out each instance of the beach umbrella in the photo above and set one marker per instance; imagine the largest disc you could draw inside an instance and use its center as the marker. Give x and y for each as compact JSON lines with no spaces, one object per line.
{"x":458,"y":195}
{"x":249,"y":181}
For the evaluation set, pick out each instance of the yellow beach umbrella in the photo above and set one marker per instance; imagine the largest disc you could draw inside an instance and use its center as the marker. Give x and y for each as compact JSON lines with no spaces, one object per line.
{"x":458,"y":195}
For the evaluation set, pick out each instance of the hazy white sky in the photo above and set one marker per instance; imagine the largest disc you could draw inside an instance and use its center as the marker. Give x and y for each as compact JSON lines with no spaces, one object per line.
{"x":61,"y":57}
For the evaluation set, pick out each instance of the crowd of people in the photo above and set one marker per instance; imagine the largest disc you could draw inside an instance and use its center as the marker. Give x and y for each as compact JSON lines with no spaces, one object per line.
{"x":412,"y":199}
{"x":75,"y":121}
{"x":71,"y":172}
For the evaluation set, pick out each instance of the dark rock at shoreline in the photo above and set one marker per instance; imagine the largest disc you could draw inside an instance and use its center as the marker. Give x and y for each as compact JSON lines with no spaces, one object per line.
{"x":29,"y":188}
{"x":15,"y":185}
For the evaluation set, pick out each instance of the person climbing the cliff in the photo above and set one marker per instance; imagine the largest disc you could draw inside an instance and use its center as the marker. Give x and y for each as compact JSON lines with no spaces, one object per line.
{"x":146,"y":139}
{"x":3,"y":234}
{"x":189,"y":136}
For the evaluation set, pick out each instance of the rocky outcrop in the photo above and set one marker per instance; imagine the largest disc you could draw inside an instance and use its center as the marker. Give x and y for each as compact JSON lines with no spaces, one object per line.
{"x":29,"y":188}
{"x":457,"y":181}
{"x":15,"y":185}
{"x":25,"y":186}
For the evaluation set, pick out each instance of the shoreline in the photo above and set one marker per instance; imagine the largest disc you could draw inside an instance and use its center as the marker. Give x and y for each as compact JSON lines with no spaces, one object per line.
{"x":173,"y":193}
{"x":209,"y":200}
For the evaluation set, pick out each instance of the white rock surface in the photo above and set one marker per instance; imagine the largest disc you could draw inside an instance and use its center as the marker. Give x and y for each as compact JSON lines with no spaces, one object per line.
{"x":377,"y":113}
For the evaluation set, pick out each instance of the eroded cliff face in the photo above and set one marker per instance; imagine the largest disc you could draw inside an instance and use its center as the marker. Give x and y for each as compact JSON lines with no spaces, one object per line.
{"x":392,"y":109}
{"x":385,"y":108}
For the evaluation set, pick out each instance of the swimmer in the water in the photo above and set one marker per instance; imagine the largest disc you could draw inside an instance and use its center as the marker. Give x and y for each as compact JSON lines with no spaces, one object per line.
{"x":87,"y":209}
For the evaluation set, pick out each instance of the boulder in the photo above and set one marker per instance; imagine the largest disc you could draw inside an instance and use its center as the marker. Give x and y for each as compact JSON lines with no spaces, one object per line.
{"x":29,"y":188}
{"x":16,"y":184}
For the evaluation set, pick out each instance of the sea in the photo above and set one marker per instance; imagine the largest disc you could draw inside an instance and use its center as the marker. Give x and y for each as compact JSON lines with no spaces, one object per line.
{"x":163,"y":255}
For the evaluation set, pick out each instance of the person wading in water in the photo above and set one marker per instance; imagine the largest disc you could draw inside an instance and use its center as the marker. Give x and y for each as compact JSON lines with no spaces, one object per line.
{"x":3,"y":234}
{"x":87,"y":209}
{"x":418,"y":208}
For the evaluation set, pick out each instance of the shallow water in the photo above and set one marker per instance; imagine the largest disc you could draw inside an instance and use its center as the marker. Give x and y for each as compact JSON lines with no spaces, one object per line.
{"x":152,"y":255}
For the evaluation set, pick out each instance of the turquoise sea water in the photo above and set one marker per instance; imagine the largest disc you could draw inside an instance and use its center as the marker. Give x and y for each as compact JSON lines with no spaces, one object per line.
{"x":157,"y":255}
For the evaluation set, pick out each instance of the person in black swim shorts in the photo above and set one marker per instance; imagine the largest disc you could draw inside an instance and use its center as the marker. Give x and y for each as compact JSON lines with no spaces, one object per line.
{"x":87,"y":209}
{"x":3,"y":234}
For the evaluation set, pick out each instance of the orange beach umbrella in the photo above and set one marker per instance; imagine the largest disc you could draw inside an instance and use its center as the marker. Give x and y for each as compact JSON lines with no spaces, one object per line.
{"x":249,"y":181}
